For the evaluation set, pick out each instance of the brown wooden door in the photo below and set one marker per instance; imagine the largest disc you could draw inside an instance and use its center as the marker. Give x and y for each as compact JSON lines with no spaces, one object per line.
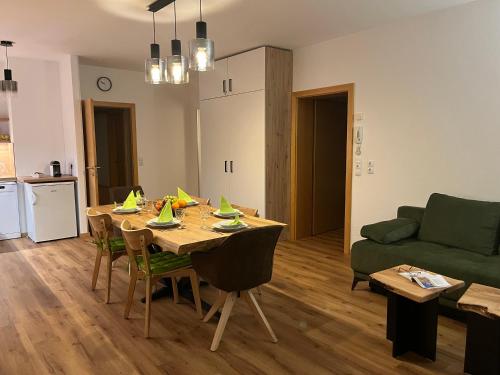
{"x":91,"y":154}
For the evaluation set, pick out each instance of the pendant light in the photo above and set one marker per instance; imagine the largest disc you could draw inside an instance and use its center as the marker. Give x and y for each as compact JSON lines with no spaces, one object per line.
{"x":201,"y":49}
{"x":155,"y":65}
{"x":7,"y":85}
{"x":177,"y":65}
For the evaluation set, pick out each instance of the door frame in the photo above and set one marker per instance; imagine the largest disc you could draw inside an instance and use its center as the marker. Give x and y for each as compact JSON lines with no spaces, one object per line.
{"x":89,"y":134}
{"x":324,"y":91}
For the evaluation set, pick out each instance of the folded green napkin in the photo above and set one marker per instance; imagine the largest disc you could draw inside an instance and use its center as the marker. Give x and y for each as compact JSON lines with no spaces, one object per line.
{"x":138,"y":196}
{"x":165,"y":214}
{"x":225,"y":206}
{"x":130,"y":201}
{"x":181,"y":194}
{"x":235,"y":222}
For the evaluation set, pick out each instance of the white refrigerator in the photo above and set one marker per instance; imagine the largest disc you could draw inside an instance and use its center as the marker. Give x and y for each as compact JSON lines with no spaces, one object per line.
{"x":50,"y":211}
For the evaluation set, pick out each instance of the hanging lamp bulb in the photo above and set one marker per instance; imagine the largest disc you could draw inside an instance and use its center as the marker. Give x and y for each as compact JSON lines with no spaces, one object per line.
{"x":177,"y":71}
{"x":201,"y":49}
{"x":7,"y":84}
{"x":155,"y":65}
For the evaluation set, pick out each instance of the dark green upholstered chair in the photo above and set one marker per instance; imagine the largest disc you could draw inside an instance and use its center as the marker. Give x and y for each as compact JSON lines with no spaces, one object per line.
{"x":154,"y":267}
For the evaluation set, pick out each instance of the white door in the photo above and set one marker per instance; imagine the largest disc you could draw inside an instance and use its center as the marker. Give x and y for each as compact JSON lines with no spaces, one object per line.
{"x":54,"y":212}
{"x":212,"y":83}
{"x":215,"y":151}
{"x":246,"y":118}
{"x":247,"y":71}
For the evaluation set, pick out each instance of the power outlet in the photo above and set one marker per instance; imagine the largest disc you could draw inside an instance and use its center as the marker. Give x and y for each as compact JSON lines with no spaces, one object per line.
{"x":358,"y":167}
{"x":371,"y":167}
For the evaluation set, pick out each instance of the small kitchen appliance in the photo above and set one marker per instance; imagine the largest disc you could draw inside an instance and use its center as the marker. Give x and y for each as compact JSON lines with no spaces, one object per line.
{"x":55,"y":169}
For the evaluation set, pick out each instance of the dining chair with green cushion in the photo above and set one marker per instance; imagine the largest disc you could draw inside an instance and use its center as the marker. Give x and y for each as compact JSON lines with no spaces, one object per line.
{"x":154,"y":267}
{"x":242,"y":262}
{"x":107,"y":245}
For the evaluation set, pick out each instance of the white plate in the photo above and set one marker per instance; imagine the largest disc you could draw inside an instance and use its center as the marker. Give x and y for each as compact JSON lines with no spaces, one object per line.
{"x":155,"y":223}
{"x":222,"y":226}
{"x":225,"y":216}
{"x":193,"y":203}
{"x":120,"y":210}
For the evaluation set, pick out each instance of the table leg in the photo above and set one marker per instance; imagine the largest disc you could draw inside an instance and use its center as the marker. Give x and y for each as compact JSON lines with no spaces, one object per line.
{"x":412,"y":326}
{"x":482,"y":350}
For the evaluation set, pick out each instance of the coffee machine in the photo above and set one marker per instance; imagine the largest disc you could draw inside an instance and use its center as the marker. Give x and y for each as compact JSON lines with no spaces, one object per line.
{"x":55,"y":168}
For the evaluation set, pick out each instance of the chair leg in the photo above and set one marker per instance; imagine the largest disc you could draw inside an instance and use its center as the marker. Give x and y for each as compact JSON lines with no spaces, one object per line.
{"x":226,"y":311}
{"x":257,"y":311}
{"x":175,"y":290}
{"x":108,"y":276}
{"x":147,"y":322}
{"x":97,"y":265}
{"x":195,"y":286}
{"x":131,"y":290}
{"x":216,"y":306}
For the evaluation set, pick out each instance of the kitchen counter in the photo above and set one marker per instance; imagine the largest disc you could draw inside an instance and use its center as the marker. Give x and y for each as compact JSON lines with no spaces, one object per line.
{"x":45,"y":179}
{"x":8,"y":179}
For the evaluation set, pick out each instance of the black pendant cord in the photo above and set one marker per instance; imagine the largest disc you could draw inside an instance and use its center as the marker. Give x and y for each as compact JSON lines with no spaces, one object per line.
{"x":154,"y":29}
{"x":175,"y":21}
{"x":7,"y":57}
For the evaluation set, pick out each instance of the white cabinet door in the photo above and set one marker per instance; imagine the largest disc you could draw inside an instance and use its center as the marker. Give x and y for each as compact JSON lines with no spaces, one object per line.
{"x":211,"y":83}
{"x":215,"y":152}
{"x":247,"y":71}
{"x":246,"y":115}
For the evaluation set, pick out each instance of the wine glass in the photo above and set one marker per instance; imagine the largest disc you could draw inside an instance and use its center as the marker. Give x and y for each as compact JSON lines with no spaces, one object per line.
{"x":204,"y":215}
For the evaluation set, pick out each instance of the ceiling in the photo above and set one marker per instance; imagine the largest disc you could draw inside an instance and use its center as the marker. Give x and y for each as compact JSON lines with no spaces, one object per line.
{"x":117,"y":33}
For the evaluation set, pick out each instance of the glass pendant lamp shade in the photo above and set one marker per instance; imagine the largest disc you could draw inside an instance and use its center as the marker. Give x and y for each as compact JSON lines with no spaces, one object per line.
{"x":155,"y":66}
{"x":201,"y":50}
{"x":177,"y":69}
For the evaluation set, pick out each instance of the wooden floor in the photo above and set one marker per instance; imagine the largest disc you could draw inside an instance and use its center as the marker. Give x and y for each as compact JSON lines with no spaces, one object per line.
{"x":51,"y":323}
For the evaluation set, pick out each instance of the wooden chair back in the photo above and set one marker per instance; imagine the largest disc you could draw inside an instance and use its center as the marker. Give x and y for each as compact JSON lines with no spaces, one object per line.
{"x":102,"y":227}
{"x":136,"y":243}
{"x":247,"y":211}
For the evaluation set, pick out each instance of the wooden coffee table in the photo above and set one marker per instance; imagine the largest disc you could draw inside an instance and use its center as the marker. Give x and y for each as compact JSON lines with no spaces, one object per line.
{"x":412,"y":312}
{"x":482,"y":351}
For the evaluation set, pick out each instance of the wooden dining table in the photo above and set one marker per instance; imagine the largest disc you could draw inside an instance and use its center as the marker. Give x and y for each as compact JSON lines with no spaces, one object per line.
{"x":188,"y":237}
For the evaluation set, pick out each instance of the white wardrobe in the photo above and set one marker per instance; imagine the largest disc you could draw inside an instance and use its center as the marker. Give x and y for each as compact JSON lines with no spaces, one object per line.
{"x":245,"y":131}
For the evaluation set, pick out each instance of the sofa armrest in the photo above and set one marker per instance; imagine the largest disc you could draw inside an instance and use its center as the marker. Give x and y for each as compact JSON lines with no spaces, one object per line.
{"x":411,"y":212}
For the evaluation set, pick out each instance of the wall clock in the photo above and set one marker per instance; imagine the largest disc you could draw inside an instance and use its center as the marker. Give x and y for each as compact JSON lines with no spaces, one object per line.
{"x":104,"y":84}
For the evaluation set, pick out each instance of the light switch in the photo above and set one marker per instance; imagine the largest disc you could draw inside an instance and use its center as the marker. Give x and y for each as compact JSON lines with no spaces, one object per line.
{"x":358,"y":167}
{"x":359,"y":116}
{"x":140,"y":161}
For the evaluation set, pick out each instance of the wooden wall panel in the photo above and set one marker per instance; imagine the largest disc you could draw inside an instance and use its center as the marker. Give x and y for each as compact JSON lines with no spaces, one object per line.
{"x":279,"y":70}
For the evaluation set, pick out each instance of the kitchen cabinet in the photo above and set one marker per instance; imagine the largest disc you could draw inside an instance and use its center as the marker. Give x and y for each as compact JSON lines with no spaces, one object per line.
{"x":245,"y":72}
{"x":245,"y":131}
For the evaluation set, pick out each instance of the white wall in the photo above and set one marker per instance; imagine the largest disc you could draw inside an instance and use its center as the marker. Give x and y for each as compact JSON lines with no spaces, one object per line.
{"x":428,"y":88}
{"x":36,"y":116}
{"x":165,"y":121}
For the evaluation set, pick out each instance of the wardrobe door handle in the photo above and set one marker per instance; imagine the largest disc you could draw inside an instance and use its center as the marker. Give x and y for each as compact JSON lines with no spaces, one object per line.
{"x":225,"y":166}
{"x":224,"y":87}
{"x":230,"y":85}
{"x":231,"y":166}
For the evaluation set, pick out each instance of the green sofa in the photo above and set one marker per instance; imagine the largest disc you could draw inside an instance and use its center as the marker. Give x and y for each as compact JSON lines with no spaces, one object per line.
{"x":451,"y":236}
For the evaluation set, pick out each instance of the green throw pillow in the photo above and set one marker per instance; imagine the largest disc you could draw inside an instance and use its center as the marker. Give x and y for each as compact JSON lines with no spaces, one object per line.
{"x":390,"y":231}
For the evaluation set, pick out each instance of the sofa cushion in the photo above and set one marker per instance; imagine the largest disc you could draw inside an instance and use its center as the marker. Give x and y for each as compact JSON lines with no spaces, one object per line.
{"x":368,"y":257}
{"x":390,"y":231}
{"x":462,"y":223}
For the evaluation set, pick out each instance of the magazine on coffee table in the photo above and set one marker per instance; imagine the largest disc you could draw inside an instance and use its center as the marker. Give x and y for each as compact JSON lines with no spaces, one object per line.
{"x":426,"y":280}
